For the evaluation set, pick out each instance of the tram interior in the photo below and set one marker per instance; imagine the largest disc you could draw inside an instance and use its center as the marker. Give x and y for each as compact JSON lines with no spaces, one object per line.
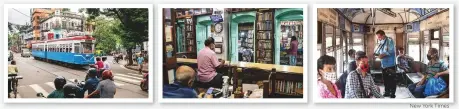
{"x":414,"y":29}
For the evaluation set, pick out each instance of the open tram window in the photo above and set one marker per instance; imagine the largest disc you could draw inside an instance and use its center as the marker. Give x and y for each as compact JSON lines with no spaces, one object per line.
{"x":77,"y":48}
{"x":414,"y":46}
{"x":436,"y":39}
{"x":87,"y":47}
{"x":329,"y":40}
{"x":445,"y":45}
{"x":357,"y":41}
{"x":70,"y":48}
{"x":338,"y":48}
{"x":60,"y":48}
{"x":66,"y":48}
{"x":426,"y":45}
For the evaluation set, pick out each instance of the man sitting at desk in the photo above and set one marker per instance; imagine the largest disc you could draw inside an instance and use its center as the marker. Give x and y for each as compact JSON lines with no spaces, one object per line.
{"x":181,"y":88}
{"x":207,"y":64}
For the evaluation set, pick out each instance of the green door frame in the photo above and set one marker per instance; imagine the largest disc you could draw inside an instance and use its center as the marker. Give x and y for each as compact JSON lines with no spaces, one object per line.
{"x":285,"y":14}
{"x":203,"y":24}
{"x":179,"y":35}
{"x":236,"y":19}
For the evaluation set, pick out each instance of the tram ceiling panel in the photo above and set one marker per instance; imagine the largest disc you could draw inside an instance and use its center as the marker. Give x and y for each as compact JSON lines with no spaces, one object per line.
{"x":383,"y":15}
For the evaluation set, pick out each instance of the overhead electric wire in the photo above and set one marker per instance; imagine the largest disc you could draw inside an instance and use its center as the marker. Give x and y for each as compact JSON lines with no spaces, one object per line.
{"x":20,"y":12}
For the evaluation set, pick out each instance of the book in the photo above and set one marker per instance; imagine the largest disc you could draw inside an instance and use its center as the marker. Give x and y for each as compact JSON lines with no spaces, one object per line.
{"x":288,"y":87}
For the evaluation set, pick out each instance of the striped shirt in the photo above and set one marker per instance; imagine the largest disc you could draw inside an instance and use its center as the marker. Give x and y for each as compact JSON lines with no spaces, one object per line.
{"x":434,"y":68}
{"x":353,"y":89}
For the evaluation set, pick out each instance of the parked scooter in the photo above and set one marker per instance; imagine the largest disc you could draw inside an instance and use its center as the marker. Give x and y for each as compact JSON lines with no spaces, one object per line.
{"x":144,"y":82}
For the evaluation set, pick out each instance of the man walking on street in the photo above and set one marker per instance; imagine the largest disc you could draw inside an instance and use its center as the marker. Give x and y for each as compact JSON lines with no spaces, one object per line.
{"x":386,"y":52}
{"x":140,"y":62}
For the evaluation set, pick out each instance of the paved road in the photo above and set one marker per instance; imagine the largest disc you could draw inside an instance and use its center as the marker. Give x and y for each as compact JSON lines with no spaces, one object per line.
{"x":39,"y":77}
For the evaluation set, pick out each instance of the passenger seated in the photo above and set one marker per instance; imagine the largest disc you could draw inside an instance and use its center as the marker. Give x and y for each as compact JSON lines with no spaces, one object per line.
{"x":182,"y":86}
{"x":403,"y":60}
{"x":327,"y":77}
{"x":207,"y":63}
{"x":435,"y":68}
{"x":360,"y":83}
{"x":350,"y":67}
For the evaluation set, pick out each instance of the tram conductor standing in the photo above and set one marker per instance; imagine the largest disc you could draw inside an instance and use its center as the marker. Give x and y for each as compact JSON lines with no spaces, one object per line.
{"x":386,"y":52}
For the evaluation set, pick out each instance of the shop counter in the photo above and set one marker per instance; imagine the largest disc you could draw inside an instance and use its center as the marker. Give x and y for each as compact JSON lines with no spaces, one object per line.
{"x":284,"y":82}
{"x":186,"y":60}
{"x":279,"y":68}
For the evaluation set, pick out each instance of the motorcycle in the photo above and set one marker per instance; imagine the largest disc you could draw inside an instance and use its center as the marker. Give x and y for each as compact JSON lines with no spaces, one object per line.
{"x":78,"y":83}
{"x":40,"y":95}
{"x":144,"y":82}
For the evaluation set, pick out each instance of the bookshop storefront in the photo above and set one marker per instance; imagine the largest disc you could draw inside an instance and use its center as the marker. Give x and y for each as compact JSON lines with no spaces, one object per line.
{"x":254,"y":43}
{"x":264,"y":36}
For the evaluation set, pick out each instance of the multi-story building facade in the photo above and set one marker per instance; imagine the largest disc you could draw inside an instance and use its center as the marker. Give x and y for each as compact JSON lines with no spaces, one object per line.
{"x":62,"y":24}
{"x":37,"y":15}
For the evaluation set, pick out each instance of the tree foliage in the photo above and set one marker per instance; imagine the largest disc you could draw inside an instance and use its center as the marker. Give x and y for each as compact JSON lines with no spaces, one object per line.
{"x":133,"y":28}
{"x":107,"y":38}
{"x":66,"y":10}
{"x":13,"y":39}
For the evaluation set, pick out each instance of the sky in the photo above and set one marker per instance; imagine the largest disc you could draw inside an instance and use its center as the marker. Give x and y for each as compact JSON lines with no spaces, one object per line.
{"x":21,"y":16}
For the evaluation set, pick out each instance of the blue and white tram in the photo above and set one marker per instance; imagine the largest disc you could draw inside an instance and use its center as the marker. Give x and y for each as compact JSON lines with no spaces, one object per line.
{"x":77,"y":50}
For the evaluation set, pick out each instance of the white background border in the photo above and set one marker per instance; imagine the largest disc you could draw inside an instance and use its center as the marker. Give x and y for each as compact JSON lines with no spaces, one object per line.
{"x":318,"y":99}
{"x":265,"y":100}
{"x":116,"y":100}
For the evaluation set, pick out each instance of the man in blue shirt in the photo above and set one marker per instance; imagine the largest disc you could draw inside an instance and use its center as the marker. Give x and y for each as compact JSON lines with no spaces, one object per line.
{"x":181,"y":88}
{"x":386,"y":52}
{"x":91,"y":83}
{"x":140,"y":62}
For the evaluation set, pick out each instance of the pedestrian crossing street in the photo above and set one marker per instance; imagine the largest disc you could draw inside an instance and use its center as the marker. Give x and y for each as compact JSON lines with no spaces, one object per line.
{"x":30,"y":91}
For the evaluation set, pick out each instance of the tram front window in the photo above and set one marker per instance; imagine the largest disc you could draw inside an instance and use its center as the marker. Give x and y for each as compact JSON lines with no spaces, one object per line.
{"x":87,"y":47}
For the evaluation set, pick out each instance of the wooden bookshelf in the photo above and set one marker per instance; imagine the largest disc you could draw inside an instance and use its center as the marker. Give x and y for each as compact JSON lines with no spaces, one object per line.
{"x":286,"y":85}
{"x":280,"y":84}
{"x":182,"y":13}
{"x":264,"y":36}
{"x":235,"y":10}
{"x":190,"y":36}
{"x":169,"y":45}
